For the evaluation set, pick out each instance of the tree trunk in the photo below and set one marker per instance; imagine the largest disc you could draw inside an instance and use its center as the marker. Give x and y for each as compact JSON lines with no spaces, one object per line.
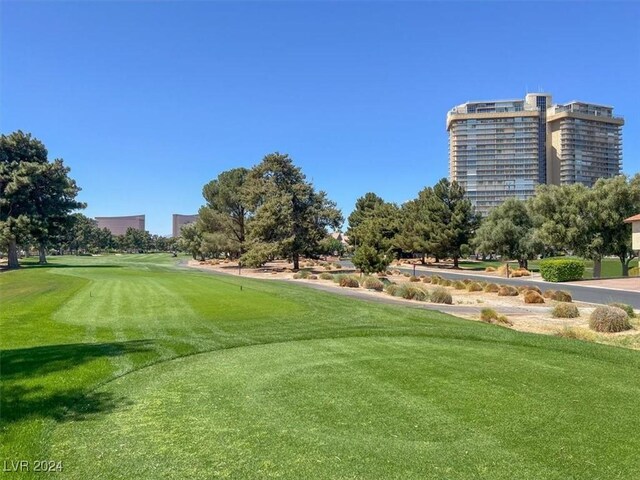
{"x":597,"y":268}
{"x":422,"y":260}
{"x":625,"y":269}
{"x":296,"y":261}
{"x":13,"y":254}
{"x":42,"y":254}
{"x":455,"y":262}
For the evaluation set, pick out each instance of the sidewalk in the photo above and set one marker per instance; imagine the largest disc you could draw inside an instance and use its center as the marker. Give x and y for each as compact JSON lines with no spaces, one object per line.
{"x":629,"y":284}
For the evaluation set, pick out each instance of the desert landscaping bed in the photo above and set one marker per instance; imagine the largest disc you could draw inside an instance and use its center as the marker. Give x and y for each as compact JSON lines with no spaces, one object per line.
{"x":515,"y":313}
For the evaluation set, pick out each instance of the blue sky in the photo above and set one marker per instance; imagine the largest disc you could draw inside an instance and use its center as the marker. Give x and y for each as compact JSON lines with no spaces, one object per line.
{"x":148,"y":101}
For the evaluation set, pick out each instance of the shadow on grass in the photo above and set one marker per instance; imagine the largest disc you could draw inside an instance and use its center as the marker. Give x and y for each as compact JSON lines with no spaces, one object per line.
{"x":24,"y":363}
{"x":19,"y":402}
{"x":30,"y":265}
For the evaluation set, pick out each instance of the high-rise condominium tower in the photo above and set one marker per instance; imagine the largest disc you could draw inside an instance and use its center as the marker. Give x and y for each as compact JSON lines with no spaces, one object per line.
{"x":584,"y":143}
{"x":505,"y":148}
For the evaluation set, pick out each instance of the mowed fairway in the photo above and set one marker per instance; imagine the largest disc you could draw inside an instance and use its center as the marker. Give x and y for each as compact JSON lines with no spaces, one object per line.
{"x":130,"y":367}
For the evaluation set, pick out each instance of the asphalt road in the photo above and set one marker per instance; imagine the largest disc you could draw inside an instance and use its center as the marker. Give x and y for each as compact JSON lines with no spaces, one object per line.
{"x":578,"y":292}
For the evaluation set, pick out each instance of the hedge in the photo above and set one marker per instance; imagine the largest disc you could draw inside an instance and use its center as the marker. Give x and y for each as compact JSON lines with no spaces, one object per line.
{"x":561,"y":269}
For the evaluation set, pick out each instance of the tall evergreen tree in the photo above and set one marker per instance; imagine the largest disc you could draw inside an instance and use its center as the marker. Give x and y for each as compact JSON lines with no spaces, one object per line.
{"x":35,"y":196}
{"x":290,"y":218}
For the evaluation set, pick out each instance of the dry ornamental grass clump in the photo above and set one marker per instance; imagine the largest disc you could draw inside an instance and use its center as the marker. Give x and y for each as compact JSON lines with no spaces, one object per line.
{"x":562,"y":296}
{"x":412,"y":292}
{"x":577,"y":334}
{"x":458,"y":285}
{"x":441,"y":295}
{"x":531,"y":296}
{"x":627,"y":308}
{"x":372,"y":283}
{"x":489,"y":315}
{"x":565,"y":310}
{"x":326,"y":276}
{"x":609,"y":320}
{"x":413,"y":278}
{"x":350,"y":282}
{"x":392,"y":289}
{"x":474,"y":287}
{"x":549,"y":294}
{"x":507,"y":291}
{"x":491,"y":288}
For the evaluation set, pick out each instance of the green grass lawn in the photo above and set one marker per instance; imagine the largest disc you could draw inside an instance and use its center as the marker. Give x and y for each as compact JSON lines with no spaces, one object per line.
{"x":611,"y":267}
{"x":128,"y":367}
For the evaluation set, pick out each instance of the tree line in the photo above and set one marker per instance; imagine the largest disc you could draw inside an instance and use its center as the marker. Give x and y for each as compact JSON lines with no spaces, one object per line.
{"x":441,"y":223}
{"x":37,"y":205}
{"x":271,"y":211}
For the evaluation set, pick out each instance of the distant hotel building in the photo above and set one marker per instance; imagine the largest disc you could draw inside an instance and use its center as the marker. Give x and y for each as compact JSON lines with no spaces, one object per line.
{"x":119,"y":225}
{"x":180,"y":221}
{"x":505,"y":148}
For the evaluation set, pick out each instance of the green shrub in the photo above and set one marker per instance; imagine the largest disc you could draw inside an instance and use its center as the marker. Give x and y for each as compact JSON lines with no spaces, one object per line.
{"x":609,"y":319}
{"x":531,"y":296}
{"x":491,"y":288}
{"x":562,"y":296}
{"x":565,"y":310}
{"x":507,"y":291}
{"x":458,"y":285}
{"x":441,"y":295}
{"x":326,"y":276}
{"x":627,"y":308}
{"x":372,"y":283}
{"x":474,"y":287}
{"x":413,"y":278}
{"x":348,"y":281}
{"x":561,"y":269}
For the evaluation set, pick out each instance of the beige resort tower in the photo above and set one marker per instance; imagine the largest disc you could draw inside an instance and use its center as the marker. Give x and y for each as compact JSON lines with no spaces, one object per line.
{"x":503,"y":149}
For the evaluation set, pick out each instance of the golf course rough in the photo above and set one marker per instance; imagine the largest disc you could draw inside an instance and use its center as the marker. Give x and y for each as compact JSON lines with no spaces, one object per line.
{"x":130,"y":367}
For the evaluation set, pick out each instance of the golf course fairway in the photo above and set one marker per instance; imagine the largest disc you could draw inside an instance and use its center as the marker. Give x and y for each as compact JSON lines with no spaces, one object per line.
{"x":132,"y":367}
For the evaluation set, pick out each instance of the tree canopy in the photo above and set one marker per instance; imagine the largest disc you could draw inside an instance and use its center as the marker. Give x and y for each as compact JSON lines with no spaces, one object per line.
{"x":36,"y":196}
